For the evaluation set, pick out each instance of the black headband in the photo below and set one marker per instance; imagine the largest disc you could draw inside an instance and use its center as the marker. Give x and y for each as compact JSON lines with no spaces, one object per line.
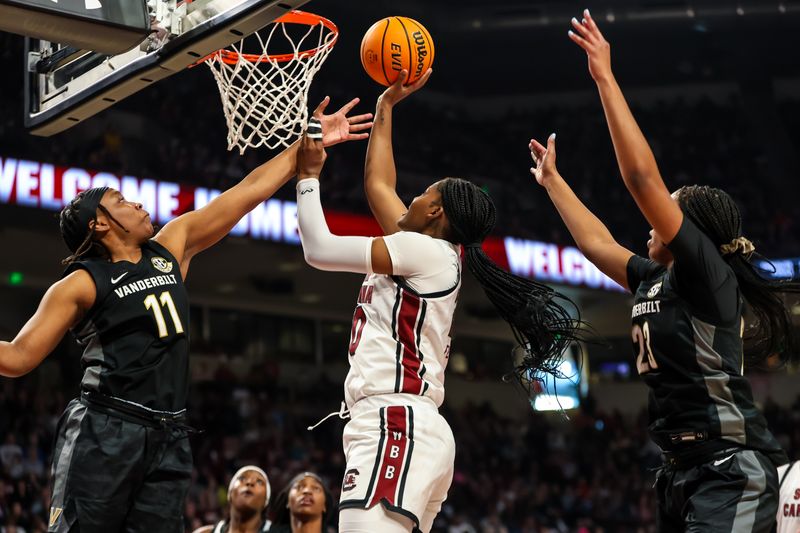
{"x":75,"y":228}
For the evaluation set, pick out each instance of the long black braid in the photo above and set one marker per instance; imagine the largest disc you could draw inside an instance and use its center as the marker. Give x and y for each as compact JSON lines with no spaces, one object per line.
{"x":715,"y":213}
{"x":542,"y":326}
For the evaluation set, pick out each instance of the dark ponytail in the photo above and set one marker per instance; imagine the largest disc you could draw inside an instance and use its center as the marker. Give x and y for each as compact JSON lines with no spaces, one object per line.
{"x":715,"y":213}
{"x":541,"y":324}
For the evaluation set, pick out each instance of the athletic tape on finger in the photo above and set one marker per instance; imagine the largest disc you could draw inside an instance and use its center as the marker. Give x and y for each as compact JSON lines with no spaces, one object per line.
{"x":314,"y":129}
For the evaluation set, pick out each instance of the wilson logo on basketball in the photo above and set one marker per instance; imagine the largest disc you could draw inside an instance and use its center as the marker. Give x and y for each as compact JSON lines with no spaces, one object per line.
{"x":370,"y":56}
{"x":422,"y":51}
{"x":350,"y":480}
{"x":162,"y":264}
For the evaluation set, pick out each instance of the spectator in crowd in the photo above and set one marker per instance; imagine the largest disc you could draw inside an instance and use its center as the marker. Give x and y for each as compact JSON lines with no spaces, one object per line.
{"x":303,"y":506}
{"x":248,"y":496}
{"x":592,"y":473}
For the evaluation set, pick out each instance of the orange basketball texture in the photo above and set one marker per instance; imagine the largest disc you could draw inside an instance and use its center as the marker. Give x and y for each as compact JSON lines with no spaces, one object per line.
{"x":393,"y":44}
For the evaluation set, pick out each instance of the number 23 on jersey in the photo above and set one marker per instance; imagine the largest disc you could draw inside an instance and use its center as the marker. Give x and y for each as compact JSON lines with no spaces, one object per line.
{"x":645,"y":360}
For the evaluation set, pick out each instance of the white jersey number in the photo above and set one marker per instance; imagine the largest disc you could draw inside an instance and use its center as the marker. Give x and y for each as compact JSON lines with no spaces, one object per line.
{"x":645,"y":360}
{"x":151,"y":303}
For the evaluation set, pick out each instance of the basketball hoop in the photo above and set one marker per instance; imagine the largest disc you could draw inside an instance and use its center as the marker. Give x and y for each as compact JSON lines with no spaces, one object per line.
{"x":265,"y":96}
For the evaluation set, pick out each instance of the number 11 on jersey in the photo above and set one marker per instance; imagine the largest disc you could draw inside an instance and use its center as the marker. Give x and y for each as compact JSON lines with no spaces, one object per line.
{"x":151,"y":303}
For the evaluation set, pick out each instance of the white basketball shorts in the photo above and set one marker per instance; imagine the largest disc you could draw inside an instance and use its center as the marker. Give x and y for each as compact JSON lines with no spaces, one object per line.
{"x":400,"y":453}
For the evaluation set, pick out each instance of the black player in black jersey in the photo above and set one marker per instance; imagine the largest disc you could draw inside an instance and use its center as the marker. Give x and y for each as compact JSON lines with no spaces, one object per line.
{"x":122,"y":460}
{"x":720,"y":458}
{"x":248,"y":495}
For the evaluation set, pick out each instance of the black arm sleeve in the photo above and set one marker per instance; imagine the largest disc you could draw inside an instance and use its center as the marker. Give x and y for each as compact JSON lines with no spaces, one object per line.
{"x":640,"y":269}
{"x":703,"y":277}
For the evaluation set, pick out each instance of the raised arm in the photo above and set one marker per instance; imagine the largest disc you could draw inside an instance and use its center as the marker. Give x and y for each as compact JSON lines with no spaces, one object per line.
{"x":321,"y":248}
{"x":380,"y":176}
{"x":634,"y":156}
{"x":195,"y":231}
{"x":590,"y":234}
{"x":62,"y":306}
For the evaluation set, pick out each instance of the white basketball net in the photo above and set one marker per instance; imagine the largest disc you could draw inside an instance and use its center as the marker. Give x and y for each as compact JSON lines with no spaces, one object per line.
{"x":265,"y":98}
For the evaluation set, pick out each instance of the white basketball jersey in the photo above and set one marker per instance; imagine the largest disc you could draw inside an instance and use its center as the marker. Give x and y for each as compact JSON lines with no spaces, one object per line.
{"x":400,"y":337}
{"x":789,"y":502}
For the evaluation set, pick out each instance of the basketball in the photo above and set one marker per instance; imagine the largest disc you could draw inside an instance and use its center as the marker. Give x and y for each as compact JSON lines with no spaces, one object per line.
{"x":393,"y":44}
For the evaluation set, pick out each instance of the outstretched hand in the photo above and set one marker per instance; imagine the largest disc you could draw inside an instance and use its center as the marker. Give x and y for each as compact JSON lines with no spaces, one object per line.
{"x":399,"y":90}
{"x":587,"y":35}
{"x":338,"y":127}
{"x":544,"y":160}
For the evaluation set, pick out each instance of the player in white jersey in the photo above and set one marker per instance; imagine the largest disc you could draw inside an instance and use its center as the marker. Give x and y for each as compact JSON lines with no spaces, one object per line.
{"x":407,"y":315}
{"x":399,"y":450}
{"x":789,"y":500}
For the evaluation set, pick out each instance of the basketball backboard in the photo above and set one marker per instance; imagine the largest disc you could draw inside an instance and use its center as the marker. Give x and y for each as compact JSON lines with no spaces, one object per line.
{"x":66,"y":85}
{"x":107,"y":27}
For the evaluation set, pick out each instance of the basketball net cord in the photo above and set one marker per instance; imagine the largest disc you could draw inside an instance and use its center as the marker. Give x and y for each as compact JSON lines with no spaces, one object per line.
{"x":264,"y":99}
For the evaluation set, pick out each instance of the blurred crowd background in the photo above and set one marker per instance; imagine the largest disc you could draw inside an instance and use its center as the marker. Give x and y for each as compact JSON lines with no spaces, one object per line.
{"x":542,"y":473}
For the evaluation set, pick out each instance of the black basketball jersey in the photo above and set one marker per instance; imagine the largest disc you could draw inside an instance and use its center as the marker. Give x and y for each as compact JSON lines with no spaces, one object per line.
{"x":687,"y":338}
{"x":136,"y":334}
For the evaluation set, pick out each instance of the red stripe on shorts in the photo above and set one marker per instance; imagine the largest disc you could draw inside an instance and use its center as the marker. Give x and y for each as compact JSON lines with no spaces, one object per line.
{"x":393,"y":458}
{"x":406,"y":333}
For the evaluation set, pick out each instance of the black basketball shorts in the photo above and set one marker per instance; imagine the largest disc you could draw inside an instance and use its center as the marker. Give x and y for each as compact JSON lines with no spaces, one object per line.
{"x":114,"y":475}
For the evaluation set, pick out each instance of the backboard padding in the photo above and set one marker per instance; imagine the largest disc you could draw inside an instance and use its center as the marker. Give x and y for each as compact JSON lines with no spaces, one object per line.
{"x":207,"y":26}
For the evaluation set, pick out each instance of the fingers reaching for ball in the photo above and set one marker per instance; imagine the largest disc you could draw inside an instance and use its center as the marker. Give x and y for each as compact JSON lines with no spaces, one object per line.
{"x":399,"y":90}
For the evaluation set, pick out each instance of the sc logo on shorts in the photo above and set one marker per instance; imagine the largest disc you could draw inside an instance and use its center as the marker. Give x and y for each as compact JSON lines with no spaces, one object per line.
{"x":350,"y":480}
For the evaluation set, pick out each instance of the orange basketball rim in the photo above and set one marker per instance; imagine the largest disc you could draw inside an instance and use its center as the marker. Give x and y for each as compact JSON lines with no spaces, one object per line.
{"x":291,"y":17}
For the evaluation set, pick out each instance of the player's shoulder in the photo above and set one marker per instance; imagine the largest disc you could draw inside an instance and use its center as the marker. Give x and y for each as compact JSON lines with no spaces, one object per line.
{"x":645,"y":265}
{"x":641,"y":270}
{"x":789,"y":470}
{"x":154,"y":246}
{"x":422,"y":240}
{"x":78,"y":285}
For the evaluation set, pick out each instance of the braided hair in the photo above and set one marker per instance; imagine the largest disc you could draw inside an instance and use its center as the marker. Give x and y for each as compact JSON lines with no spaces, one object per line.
{"x":75,"y":229}
{"x":541,"y":324}
{"x":715,"y":213}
